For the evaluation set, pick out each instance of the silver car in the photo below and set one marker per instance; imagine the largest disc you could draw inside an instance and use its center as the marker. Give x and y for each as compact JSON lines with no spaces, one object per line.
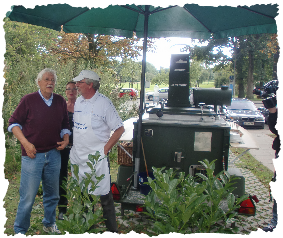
{"x":245,"y":113}
{"x":162,"y":92}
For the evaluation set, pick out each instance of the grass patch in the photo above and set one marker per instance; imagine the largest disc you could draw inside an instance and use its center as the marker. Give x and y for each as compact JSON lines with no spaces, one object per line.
{"x":11,"y":205}
{"x":209,"y":84}
{"x":263,"y":174}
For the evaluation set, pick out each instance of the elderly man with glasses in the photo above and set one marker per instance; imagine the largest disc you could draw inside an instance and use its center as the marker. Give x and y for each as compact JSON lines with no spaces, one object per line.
{"x":40,"y":122}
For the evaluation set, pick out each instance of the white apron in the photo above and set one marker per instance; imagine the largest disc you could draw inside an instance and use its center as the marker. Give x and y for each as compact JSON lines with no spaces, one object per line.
{"x":85,"y":142}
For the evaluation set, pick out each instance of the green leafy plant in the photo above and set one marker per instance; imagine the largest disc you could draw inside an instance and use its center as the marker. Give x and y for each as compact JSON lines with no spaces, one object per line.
{"x":189,"y":205}
{"x":81,"y":217}
{"x":13,"y":156}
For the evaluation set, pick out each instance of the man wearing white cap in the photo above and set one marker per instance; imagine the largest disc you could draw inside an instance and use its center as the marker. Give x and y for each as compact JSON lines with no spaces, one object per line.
{"x":94,"y":118}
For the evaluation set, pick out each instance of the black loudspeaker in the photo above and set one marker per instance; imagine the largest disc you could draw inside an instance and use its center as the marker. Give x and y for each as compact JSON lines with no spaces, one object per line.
{"x":179,"y":81}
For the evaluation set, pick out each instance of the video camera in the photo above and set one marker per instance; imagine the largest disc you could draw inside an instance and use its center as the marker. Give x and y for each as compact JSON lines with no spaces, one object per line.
{"x":268,"y":94}
{"x":276,"y":98}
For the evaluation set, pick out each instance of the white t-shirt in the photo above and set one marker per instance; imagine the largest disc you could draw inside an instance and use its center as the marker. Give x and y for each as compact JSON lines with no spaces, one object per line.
{"x":104,"y":117}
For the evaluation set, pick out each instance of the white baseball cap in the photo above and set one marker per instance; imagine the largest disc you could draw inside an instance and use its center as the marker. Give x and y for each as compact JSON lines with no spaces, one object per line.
{"x":87,"y":74}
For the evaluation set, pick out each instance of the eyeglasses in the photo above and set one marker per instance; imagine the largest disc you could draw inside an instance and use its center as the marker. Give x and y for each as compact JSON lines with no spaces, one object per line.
{"x":71,"y":89}
{"x":79,"y":82}
{"x":49,"y":80}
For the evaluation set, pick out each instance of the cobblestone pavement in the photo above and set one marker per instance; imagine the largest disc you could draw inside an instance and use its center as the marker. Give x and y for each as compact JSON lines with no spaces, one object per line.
{"x":263,"y":207}
{"x":246,"y":224}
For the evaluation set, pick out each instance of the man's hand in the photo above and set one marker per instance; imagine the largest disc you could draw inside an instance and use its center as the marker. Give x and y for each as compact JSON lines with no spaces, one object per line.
{"x":113,"y":139}
{"x":30,"y":149}
{"x":63,"y":143}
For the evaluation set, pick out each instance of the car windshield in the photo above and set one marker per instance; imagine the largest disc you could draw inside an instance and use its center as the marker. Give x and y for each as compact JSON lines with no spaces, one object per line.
{"x":242,"y":105}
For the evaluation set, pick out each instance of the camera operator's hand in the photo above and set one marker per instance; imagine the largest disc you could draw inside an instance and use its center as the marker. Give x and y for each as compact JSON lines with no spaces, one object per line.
{"x":272,"y":110}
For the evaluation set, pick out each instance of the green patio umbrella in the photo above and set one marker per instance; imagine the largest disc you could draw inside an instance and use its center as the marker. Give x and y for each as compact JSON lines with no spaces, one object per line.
{"x":190,"y":20}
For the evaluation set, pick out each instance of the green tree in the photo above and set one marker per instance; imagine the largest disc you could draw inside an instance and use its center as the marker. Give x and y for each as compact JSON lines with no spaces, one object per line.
{"x":96,"y":50}
{"x":151,"y":71}
{"x":221,"y":77}
{"x":254,"y":58}
{"x":32,"y":48}
{"x":196,"y":69}
{"x":162,"y":77}
{"x":213,"y":53}
{"x":130,"y":71}
{"x":26,"y":54}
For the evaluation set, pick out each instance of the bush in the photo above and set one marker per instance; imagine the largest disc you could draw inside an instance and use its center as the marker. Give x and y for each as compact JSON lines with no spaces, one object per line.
{"x":13,"y":157}
{"x":180,"y":204}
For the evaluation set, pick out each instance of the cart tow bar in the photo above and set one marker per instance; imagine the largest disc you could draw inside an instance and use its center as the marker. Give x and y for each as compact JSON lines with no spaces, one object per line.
{"x":127,"y":189}
{"x":137,"y":168}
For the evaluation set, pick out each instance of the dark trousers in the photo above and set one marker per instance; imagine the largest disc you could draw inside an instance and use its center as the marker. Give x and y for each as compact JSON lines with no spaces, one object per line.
{"x":109,"y":214}
{"x":63,"y":202}
{"x":108,"y":208}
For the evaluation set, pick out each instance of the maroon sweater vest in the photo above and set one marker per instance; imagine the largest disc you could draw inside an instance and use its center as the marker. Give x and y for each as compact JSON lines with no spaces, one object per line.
{"x":41,"y":124}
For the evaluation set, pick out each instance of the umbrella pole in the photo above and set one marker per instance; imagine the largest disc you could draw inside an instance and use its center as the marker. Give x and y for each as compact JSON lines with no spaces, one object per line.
{"x":138,"y":154}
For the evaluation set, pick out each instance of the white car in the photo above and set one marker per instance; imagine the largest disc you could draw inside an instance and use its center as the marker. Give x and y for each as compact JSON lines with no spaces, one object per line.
{"x":162,"y":92}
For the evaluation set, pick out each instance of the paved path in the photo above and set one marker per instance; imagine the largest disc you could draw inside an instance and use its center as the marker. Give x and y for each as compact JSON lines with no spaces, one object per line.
{"x":265,"y":153}
{"x":263,"y":138}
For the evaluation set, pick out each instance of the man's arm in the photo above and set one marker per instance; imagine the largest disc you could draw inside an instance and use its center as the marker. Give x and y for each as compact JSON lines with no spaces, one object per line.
{"x":64,"y":143}
{"x":275,"y":121}
{"x":113,"y":139}
{"x":272,"y":110}
{"x":29,"y":147}
{"x":65,"y":132}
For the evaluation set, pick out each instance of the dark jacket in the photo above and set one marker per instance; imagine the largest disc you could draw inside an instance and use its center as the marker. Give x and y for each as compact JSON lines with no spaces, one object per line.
{"x":275,"y":122}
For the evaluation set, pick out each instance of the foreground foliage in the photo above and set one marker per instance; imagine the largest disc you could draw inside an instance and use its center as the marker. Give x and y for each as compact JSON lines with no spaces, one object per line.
{"x":125,"y":223}
{"x":183,"y":205}
{"x":81,"y":217}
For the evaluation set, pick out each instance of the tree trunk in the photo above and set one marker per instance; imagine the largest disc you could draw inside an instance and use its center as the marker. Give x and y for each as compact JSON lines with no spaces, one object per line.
{"x":241,"y":88}
{"x":250,"y":83}
{"x":92,"y":49}
{"x":239,"y":80}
